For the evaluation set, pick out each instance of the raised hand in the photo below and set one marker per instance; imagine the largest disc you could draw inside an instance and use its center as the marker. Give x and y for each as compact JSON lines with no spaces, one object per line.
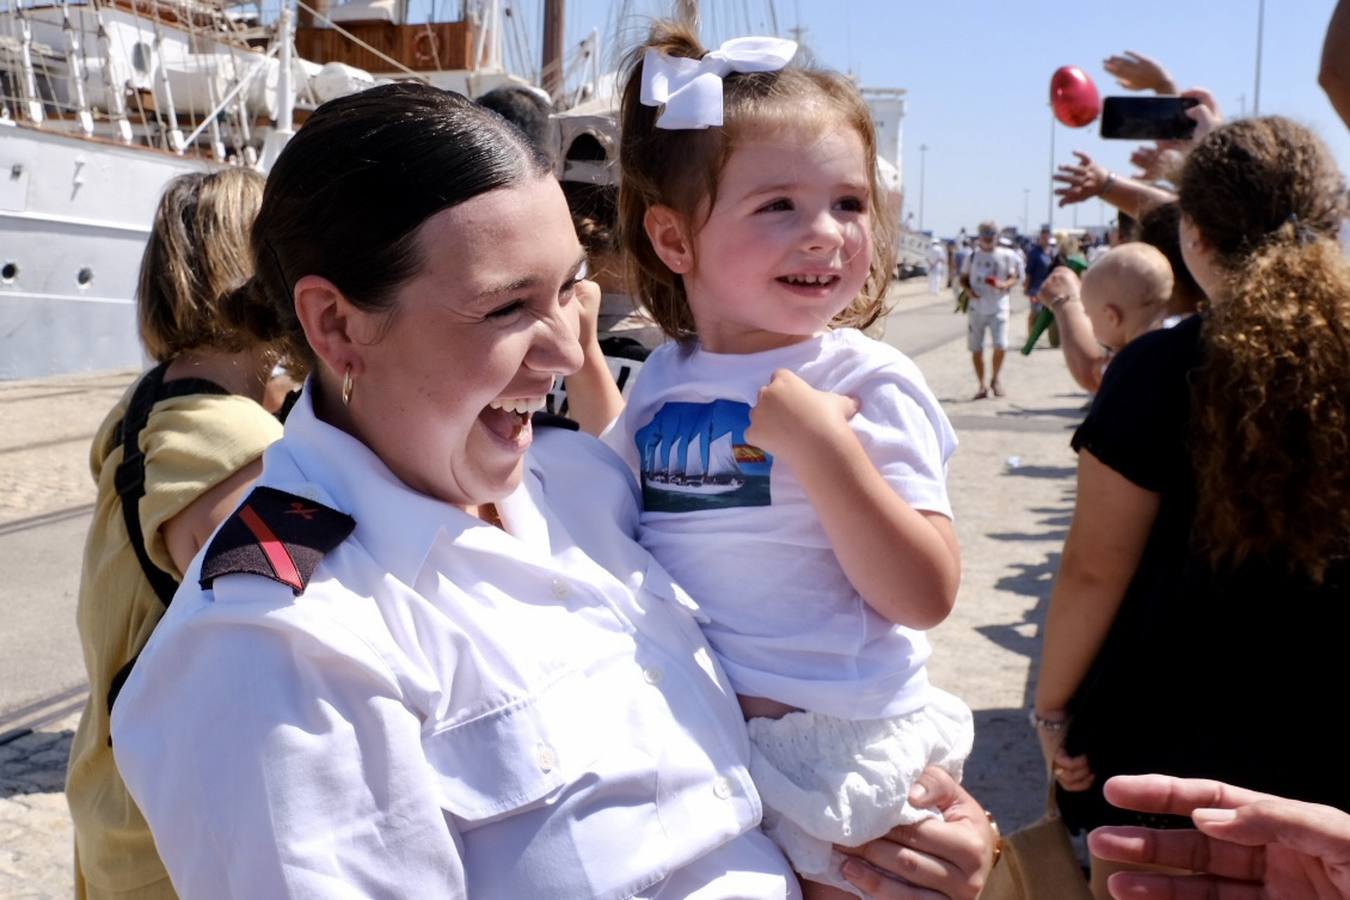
{"x":1248,"y":844}
{"x":1158,"y":163}
{"x":1081,"y":182}
{"x":1206,"y":115}
{"x":1137,"y":72}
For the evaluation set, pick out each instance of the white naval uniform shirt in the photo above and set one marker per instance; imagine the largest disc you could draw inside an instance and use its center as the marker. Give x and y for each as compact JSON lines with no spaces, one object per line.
{"x":448,"y":710}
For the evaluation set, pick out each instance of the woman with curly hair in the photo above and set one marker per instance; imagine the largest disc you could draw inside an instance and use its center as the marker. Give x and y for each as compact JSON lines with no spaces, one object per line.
{"x":1201,"y":602}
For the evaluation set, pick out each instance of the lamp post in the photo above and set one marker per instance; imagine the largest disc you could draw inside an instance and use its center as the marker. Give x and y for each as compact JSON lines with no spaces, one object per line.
{"x":1050,"y":205}
{"x":923,"y":154}
{"x":1260,"y":33}
{"x":1026,"y":210}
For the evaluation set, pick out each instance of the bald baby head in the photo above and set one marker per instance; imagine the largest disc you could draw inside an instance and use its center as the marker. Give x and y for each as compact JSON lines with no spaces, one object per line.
{"x":1125,"y":293}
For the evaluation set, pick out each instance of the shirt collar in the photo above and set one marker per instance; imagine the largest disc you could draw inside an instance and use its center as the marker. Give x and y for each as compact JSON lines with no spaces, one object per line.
{"x":394,"y":523}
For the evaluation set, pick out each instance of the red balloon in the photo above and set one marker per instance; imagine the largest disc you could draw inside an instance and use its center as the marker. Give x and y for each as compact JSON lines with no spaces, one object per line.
{"x":1073,"y":97}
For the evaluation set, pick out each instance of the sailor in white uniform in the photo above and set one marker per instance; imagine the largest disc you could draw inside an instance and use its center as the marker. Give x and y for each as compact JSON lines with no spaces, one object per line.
{"x":442,"y":708}
{"x":425,"y":657}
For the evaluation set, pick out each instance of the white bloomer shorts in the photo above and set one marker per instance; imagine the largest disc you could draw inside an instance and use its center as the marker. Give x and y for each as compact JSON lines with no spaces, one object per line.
{"x":827,"y":781}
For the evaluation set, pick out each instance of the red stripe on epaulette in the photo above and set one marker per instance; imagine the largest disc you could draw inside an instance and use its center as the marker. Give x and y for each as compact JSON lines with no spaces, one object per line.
{"x":281,"y":561}
{"x":277,"y":535}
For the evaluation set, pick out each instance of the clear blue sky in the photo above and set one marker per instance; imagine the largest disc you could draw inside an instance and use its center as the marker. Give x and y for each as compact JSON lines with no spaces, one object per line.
{"x":978,"y":77}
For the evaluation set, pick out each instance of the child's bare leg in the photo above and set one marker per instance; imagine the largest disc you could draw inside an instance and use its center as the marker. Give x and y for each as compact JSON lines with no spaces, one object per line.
{"x":814,"y":890}
{"x":763,"y":708}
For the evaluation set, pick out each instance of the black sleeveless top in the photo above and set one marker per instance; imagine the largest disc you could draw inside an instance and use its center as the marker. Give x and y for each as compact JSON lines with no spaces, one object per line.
{"x":1238,"y":675}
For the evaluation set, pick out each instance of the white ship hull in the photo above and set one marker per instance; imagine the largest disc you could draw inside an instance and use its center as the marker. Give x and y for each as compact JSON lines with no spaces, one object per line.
{"x":74,"y":218}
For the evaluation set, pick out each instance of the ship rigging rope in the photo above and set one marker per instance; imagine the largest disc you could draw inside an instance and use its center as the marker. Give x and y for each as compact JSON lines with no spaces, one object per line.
{"x":520,"y":42}
{"x":356,"y":40}
{"x":136,"y":92}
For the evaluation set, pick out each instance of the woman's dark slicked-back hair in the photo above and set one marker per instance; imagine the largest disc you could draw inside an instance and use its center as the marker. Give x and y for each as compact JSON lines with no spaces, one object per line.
{"x":348,"y":194}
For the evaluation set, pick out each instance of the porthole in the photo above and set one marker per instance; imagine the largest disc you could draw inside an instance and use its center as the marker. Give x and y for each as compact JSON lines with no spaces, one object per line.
{"x":140,"y":57}
{"x":84,"y":277}
{"x":8,"y":272}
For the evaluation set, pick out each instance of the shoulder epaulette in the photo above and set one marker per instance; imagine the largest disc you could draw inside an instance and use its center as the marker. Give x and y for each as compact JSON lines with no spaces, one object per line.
{"x":277,"y":535}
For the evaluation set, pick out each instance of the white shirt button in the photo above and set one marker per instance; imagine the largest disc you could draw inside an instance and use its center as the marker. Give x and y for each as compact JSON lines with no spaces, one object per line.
{"x":547,"y":759}
{"x":561,"y":589}
{"x":722,"y":788}
{"x":653,"y":675}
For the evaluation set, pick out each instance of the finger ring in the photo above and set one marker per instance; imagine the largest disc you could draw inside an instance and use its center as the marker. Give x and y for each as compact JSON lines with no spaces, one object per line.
{"x":1058,"y":771}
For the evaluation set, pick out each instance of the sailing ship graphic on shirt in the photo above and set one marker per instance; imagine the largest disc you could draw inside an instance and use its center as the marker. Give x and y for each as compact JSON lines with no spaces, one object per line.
{"x":693,"y":456}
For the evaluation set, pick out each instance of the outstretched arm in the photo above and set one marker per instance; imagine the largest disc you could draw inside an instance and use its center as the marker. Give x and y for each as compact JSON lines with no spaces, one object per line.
{"x":1083,"y":355}
{"x":1247,"y":844}
{"x":1137,"y":72}
{"x":1087,"y":179}
{"x":905,"y":563}
{"x":1334,"y":76}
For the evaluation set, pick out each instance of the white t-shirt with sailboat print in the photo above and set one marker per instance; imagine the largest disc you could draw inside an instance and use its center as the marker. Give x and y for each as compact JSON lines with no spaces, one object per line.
{"x":736,"y":529}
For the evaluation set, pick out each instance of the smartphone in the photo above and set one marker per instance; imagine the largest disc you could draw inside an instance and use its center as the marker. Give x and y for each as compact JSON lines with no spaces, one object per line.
{"x":1148,"y":118}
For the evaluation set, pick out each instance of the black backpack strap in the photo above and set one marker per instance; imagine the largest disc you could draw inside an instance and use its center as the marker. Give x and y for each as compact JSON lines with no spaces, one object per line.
{"x":129,"y":480}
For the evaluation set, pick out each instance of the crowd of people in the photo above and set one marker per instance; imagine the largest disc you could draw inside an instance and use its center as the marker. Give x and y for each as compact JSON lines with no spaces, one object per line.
{"x":427,"y":638}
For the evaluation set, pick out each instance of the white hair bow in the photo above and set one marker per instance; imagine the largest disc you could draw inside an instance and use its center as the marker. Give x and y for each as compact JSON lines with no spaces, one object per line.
{"x":691,"y":89}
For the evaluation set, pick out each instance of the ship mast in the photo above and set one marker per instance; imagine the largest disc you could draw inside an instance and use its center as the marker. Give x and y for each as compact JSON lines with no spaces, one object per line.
{"x":550,"y":70}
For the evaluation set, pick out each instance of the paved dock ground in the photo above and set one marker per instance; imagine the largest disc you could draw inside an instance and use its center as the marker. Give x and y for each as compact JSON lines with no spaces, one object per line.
{"x":1011,"y":481}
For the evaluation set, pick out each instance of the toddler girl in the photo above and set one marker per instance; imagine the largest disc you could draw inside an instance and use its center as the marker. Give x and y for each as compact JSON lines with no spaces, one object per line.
{"x":792,"y":469}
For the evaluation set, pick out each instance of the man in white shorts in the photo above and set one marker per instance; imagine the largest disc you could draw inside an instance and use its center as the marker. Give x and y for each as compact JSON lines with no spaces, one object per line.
{"x":989,"y":274}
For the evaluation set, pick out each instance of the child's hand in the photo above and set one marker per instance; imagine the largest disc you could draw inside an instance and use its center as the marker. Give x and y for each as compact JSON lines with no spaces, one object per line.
{"x":790,"y":415}
{"x":588,"y":296}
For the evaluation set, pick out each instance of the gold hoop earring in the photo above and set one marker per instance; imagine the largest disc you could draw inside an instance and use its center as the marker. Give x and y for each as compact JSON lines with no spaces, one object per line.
{"x":347,"y":386}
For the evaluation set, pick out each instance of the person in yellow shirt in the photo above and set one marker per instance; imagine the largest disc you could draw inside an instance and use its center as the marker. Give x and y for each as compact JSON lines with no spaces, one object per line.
{"x":196,"y":429}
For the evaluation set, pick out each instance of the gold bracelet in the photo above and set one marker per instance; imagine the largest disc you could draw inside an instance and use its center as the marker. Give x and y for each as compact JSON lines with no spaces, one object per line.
{"x":998,"y":837}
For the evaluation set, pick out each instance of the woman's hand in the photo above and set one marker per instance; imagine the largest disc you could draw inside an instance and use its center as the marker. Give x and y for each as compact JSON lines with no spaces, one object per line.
{"x":1137,"y":72}
{"x":946,"y":857}
{"x":1206,"y":118}
{"x":791,"y":416}
{"x":1070,"y":772}
{"x":1248,"y":844}
{"x":1081,"y":182}
{"x":1158,"y":163}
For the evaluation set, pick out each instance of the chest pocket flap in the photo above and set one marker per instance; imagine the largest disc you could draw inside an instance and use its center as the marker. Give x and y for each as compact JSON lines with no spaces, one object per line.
{"x":520,"y":753}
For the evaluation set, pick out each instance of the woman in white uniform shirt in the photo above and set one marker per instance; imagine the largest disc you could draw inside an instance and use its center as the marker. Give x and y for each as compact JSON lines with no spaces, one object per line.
{"x":419,"y":661}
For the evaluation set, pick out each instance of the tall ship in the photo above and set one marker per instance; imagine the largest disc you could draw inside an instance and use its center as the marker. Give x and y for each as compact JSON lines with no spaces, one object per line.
{"x":102,"y":102}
